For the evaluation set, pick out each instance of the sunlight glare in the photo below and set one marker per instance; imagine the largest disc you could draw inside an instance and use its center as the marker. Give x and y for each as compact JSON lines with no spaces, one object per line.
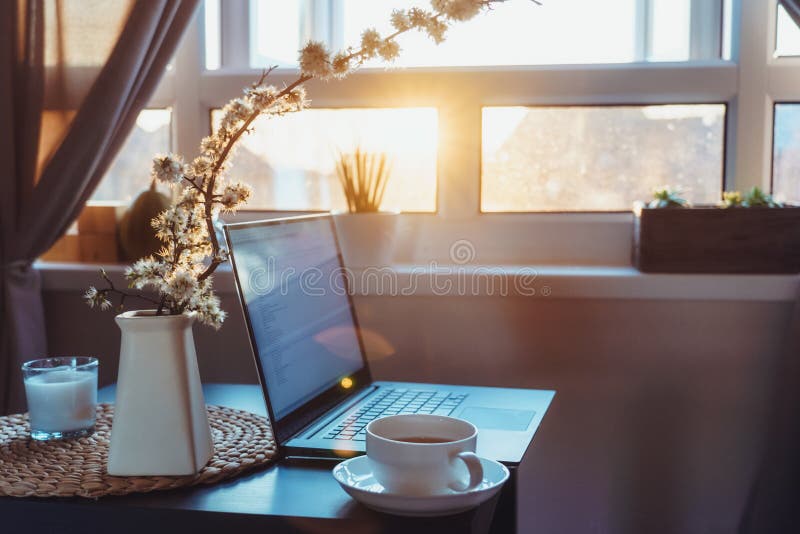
{"x":670,"y":38}
{"x":788,"y":41}
{"x":516,"y":32}
{"x":212,"y":22}
{"x":275,"y":40}
{"x":291,"y":160}
{"x":151,"y":120}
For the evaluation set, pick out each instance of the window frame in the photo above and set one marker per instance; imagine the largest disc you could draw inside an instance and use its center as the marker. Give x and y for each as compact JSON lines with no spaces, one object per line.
{"x":749,"y":83}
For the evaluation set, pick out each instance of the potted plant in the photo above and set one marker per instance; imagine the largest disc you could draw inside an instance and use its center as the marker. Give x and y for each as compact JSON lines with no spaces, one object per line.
{"x":160,"y":423}
{"x":366,"y":234}
{"x":746,"y":233}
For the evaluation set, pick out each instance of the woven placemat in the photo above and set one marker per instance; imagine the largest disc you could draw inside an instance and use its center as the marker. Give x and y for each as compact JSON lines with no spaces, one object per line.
{"x":77,"y":468}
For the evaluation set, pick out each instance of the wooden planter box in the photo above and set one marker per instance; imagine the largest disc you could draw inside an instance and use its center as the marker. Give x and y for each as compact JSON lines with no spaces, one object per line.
{"x":717,"y":240}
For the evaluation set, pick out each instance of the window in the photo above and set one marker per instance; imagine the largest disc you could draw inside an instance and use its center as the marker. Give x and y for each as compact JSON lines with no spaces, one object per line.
{"x":787,"y":41}
{"x":786,"y":153}
{"x":412,"y":114}
{"x":129,"y":175}
{"x":599,"y":158}
{"x":520,"y":33}
{"x":679,"y":93}
{"x":786,"y":117}
{"x":517,"y":32}
{"x":275,"y":40}
{"x":290,"y":161}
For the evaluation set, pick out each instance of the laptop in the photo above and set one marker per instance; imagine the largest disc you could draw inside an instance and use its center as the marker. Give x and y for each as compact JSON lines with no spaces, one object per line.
{"x":310,"y":356}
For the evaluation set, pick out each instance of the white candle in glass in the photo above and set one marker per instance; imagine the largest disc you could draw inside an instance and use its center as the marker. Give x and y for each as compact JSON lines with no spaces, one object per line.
{"x":61,"y":395}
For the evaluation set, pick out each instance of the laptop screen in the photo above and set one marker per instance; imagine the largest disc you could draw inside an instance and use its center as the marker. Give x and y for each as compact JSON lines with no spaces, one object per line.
{"x":293,"y":290}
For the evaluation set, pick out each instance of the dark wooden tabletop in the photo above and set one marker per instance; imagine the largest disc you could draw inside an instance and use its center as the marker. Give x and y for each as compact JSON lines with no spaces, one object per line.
{"x":284,"y":497}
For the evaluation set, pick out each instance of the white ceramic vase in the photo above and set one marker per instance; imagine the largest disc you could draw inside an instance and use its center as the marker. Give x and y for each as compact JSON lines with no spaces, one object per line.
{"x":160,"y":419}
{"x":367,"y":239}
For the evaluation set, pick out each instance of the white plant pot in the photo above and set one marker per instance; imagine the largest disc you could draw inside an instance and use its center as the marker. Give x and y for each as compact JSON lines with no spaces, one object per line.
{"x":367,"y":239}
{"x":160,"y":419}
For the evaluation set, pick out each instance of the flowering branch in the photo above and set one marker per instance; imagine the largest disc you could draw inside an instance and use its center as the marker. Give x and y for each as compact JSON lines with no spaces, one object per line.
{"x":181,"y":272}
{"x":99,"y":297}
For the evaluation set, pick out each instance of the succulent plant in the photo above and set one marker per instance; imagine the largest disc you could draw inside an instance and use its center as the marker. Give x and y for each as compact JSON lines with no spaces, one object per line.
{"x":756,"y":198}
{"x":732,"y":199}
{"x":668,"y":198}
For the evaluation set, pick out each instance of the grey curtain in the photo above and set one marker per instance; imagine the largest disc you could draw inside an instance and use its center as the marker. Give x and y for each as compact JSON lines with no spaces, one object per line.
{"x":40,"y":197}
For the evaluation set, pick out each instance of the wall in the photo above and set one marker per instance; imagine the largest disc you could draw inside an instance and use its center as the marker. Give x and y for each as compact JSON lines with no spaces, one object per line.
{"x":657,"y":423}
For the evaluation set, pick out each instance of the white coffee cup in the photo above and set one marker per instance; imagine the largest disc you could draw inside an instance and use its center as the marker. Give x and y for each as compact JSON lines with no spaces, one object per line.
{"x":422,"y":454}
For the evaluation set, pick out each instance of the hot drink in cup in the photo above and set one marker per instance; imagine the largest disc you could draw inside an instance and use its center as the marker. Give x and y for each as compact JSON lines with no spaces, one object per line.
{"x":421,"y":454}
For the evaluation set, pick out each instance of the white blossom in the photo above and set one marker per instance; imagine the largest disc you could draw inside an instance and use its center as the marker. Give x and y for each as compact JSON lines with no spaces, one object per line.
{"x":262,"y":96}
{"x":208,"y":312}
{"x":296,"y":98}
{"x":235,"y":112}
{"x":389,"y":50}
{"x":370,"y":42}
{"x":419,"y":18}
{"x":182,"y":285}
{"x":144,"y":272}
{"x":459,"y":10}
{"x":341,"y":64}
{"x":95,"y":298}
{"x":211,"y":145}
{"x":200,"y":167}
{"x":168,"y":169}
{"x":400,"y":20}
{"x":436,"y":30}
{"x":315,"y":60}
{"x":234,"y":195}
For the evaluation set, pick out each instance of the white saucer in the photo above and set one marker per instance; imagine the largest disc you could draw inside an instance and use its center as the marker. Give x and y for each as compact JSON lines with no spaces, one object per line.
{"x":355,"y":477}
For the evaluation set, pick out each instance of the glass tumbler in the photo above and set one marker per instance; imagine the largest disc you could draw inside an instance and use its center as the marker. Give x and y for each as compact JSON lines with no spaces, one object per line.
{"x":62,"y":396}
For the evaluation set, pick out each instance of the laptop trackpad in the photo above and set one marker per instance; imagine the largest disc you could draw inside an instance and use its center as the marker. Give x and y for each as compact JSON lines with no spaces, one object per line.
{"x":497,"y":418}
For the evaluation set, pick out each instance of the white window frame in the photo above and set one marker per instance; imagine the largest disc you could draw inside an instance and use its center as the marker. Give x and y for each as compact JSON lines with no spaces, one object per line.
{"x":749,"y":84}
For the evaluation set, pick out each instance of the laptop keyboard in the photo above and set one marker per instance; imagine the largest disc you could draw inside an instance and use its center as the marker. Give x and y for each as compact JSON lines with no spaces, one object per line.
{"x":390,"y":401}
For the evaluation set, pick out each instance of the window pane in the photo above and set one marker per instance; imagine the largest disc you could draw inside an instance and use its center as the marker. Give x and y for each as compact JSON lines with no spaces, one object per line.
{"x":290,"y":160}
{"x":599,"y":158}
{"x":788,"y":35}
{"x":727,"y":29}
{"x":276,"y":32}
{"x":519,"y":32}
{"x":671,"y":23}
{"x":786,"y":153}
{"x":213,"y":46}
{"x":129,"y":175}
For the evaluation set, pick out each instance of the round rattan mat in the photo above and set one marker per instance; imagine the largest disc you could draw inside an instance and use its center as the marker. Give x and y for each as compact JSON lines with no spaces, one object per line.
{"x":77,"y":468}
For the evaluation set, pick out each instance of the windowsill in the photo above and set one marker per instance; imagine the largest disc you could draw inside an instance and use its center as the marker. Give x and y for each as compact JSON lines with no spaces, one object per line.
{"x":538,"y":281}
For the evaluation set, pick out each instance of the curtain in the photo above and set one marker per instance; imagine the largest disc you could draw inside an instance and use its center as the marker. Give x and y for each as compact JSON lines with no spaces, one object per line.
{"x":73,"y":78}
